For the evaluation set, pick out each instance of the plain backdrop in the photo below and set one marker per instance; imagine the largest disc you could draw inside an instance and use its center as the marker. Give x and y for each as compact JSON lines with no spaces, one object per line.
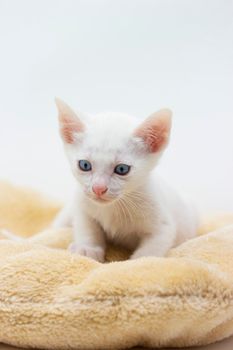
{"x":133,"y":56}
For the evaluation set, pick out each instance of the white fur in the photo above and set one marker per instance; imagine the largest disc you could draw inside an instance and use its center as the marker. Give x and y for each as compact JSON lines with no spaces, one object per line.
{"x":139,"y":212}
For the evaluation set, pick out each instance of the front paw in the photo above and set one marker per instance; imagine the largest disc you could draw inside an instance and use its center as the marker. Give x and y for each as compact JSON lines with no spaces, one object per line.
{"x":146,"y":252}
{"x":94,"y":252}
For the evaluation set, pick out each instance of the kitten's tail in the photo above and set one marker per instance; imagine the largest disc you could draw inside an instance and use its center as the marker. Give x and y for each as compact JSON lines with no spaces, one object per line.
{"x":5,"y":234}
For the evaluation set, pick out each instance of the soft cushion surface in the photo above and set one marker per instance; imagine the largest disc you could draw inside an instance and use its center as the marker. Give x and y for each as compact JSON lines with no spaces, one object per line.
{"x":52,"y":299}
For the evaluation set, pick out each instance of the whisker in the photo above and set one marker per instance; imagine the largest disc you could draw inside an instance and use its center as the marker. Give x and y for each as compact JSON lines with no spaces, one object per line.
{"x":124,"y":203}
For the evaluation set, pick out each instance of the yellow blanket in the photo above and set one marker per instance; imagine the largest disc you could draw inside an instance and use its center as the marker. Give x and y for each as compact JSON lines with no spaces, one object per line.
{"x":52,"y":299}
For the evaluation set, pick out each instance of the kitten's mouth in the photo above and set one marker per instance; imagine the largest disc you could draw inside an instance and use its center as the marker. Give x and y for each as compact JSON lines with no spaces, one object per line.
{"x":102,"y":200}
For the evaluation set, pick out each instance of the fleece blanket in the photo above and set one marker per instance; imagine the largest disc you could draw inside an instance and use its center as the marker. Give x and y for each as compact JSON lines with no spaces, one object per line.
{"x":52,"y":299}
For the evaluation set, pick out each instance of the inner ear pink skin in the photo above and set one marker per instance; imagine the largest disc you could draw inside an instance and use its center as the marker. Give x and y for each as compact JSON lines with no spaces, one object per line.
{"x":69,"y":122}
{"x":68,"y":128}
{"x":155,"y":130}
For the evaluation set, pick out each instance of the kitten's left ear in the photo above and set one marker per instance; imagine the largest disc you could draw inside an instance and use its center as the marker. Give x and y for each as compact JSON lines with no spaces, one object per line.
{"x":70,"y":123}
{"x":155,"y":130}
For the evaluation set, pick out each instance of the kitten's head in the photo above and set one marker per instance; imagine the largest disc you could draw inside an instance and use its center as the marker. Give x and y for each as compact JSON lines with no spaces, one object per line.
{"x":112,"y":154}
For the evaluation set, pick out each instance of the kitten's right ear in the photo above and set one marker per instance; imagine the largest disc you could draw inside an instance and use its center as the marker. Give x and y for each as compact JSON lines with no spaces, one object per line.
{"x":69,"y":122}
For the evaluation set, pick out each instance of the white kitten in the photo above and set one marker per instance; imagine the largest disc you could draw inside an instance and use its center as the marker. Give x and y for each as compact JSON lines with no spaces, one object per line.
{"x":118,"y":197}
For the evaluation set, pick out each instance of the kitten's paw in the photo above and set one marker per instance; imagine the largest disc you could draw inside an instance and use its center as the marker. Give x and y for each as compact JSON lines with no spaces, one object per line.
{"x":97,"y":253}
{"x":136,"y":255}
{"x":140,"y":253}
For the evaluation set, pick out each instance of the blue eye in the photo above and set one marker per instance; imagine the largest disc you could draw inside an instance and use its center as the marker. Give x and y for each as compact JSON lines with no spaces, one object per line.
{"x":84,"y":165}
{"x":122,"y":169}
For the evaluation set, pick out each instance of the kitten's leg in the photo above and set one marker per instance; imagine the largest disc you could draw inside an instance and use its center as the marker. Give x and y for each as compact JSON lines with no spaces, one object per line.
{"x":64,"y":218}
{"x":156,"y":244}
{"x":89,"y":239}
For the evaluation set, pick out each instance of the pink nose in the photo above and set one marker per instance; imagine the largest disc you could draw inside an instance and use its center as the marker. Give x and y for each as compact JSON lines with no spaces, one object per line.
{"x":99,"y":190}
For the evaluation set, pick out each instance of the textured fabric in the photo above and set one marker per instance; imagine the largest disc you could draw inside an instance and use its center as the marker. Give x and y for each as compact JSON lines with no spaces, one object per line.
{"x":52,"y":299}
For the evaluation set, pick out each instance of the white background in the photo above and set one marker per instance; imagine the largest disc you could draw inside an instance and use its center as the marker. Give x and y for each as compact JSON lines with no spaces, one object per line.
{"x":134,"y":56}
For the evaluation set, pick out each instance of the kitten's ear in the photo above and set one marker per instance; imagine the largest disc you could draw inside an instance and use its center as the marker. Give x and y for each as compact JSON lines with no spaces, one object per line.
{"x":69,"y":122}
{"x":155,"y":130}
